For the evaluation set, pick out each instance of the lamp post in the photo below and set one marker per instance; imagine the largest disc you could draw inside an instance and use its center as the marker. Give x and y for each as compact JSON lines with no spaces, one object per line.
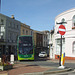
{"x":1,"y":40}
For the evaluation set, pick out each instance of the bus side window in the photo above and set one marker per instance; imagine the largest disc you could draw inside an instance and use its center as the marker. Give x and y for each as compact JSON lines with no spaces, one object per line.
{"x":0,"y":52}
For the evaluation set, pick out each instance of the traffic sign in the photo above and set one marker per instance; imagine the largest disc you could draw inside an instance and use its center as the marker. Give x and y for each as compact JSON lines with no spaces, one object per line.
{"x":62,"y":29}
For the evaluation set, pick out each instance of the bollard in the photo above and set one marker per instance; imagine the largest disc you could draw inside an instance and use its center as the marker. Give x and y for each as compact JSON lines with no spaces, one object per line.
{"x":62,"y":61}
{"x":0,"y":59}
{"x":12,"y":59}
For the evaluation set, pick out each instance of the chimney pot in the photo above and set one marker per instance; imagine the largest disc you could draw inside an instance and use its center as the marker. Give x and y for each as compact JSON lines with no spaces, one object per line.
{"x":12,"y":16}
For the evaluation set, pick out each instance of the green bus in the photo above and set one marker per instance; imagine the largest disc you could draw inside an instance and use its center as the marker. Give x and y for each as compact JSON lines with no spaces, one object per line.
{"x":25,"y":47}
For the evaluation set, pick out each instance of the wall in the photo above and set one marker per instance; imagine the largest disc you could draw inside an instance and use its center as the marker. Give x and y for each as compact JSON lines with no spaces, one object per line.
{"x":70,"y":33}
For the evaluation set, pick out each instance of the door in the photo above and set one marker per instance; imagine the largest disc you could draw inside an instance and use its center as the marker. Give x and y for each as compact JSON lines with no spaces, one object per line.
{"x":51,"y":53}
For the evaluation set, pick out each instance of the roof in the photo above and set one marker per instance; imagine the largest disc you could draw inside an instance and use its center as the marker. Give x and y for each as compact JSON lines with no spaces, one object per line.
{"x":65,"y":12}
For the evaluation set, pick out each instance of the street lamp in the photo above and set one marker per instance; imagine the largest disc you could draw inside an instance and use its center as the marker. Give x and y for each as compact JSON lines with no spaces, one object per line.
{"x":61,"y":23}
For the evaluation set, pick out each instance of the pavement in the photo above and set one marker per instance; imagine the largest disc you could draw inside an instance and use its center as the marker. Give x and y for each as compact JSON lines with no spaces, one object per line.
{"x":26,"y":69}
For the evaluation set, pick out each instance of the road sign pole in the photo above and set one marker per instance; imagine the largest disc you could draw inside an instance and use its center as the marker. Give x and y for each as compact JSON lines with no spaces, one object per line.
{"x":62,"y":31}
{"x":60,"y":50}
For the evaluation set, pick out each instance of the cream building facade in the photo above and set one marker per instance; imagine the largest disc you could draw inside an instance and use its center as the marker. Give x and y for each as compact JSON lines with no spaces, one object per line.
{"x":26,"y":30}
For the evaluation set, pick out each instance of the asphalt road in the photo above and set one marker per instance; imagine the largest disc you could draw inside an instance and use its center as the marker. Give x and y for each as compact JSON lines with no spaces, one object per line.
{"x":49,"y":63}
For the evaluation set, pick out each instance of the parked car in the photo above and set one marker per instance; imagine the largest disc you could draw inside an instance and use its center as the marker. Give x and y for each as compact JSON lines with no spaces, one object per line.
{"x":43,"y":54}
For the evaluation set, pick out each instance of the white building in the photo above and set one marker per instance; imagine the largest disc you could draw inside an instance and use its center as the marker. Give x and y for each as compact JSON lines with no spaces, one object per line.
{"x":51,"y":44}
{"x":68,"y":41}
{"x":46,"y":36}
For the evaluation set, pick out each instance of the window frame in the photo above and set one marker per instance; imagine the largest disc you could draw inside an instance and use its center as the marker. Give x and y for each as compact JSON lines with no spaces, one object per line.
{"x":73,"y":22}
{"x":23,"y":31}
{"x":73,"y":51}
{"x":2,"y":21}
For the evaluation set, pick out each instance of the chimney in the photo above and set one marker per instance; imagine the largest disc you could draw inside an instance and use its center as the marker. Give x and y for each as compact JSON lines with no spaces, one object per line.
{"x":12,"y":16}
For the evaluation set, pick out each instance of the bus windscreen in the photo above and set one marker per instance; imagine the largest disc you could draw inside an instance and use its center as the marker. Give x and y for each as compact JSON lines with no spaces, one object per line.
{"x":25,"y":45}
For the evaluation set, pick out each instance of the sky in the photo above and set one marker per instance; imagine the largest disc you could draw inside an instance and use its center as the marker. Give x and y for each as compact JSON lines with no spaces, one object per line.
{"x":38,"y":14}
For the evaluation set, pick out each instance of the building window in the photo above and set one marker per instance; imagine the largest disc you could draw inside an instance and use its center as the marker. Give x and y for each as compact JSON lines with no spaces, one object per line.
{"x":26,"y":32}
{"x":73,"y":20}
{"x":58,"y":41}
{"x":14,"y":25}
{"x":1,"y":35}
{"x":58,"y":44}
{"x":23,"y":31}
{"x":0,"y":29}
{"x":9,"y":36}
{"x":17,"y":26}
{"x":46,"y":37}
{"x":44,"y":43}
{"x":31,"y":32}
{"x":16,"y":37}
{"x":73,"y":47}
{"x":10,"y":24}
{"x":40,"y":43}
{"x":2,"y":21}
